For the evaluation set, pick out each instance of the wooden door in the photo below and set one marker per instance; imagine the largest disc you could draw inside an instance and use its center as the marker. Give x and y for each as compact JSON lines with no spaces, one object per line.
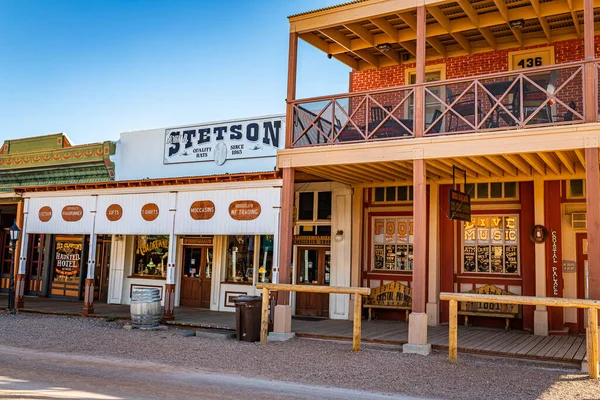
{"x":582,"y":278}
{"x":313,"y":268}
{"x":196,"y":277}
{"x":5,"y":259}
{"x":35,"y":265}
{"x":102,"y":268}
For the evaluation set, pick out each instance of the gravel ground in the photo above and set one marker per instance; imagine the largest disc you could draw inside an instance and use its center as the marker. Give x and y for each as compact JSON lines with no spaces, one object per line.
{"x":376,"y":368}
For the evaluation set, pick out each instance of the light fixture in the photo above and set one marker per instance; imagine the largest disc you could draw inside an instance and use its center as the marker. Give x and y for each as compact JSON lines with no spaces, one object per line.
{"x":15,"y":232}
{"x":329,"y":56}
{"x":384,"y":47}
{"x":517,"y":24}
{"x":118,"y":238}
{"x":339,"y":236}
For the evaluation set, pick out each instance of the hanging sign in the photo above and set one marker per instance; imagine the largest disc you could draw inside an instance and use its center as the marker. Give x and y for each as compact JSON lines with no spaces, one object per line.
{"x":460,"y":206}
{"x":312,"y":240}
{"x":68,"y":257}
{"x":150,"y":212}
{"x":197,"y":241}
{"x":114,"y":212}
{"x":72,"y":213}
{"x":202,"y":210}
{"x":45,"y":214}
{"x":223,"y":141}
{"x":244,"y":210}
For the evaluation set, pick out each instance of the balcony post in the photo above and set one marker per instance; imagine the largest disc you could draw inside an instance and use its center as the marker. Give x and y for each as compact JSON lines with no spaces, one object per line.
{"x":282,"y":322}
{"x":417,"y":323}
{"x":419,"y":117}
{"x":291,"y":89}
{"x":592,"y":181}
{"x":590,"y":86}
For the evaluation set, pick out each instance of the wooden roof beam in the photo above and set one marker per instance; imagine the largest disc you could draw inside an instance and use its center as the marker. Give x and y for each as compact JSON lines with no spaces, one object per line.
{"x":536,"y":162}
{"x":519,"y":163}
{"x":444,"y":21}
{"x":543,"y":21}
{"x":567,"y":160}
{"x":552,"y":161}
{"x":504,"y":164}
{"x":437,"y":45}
{"x":580,"y":157}
{"x":474,"y":18}
{"x":574,"y":17}
{"x":392,"y":33}
{"x":485,"y":163}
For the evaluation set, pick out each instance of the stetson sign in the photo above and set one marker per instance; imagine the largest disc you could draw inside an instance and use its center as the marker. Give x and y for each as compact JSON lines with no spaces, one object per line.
{"x":220,"y":142}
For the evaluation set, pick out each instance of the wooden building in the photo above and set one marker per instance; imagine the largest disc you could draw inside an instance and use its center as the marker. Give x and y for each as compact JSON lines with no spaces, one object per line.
{"x":506,"y":91}
{"x":37,"y":162}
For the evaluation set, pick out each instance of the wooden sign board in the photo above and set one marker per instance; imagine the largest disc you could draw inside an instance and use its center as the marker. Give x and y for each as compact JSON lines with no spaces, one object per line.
{"x":198,"y":241}
{"x":72,"y":213}
{"x":391,"y":294}
{"x":114,"y":212}
{"x":45,"y":214}
{"x":490,"y":307}
{"x":202,"y":210}
{"x":531,"y":58}
{"x":244,"y":210}
{"x":569,"y":266}
{"x":460,"y":206}
{"x":312,"y":240}
{"x":150,"y":212}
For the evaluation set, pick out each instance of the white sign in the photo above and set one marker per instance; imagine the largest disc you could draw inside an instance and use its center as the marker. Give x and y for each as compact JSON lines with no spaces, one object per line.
{"x":220,"y":142}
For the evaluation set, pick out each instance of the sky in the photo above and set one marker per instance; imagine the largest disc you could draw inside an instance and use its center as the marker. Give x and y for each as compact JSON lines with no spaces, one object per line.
{"x":95,"y":68}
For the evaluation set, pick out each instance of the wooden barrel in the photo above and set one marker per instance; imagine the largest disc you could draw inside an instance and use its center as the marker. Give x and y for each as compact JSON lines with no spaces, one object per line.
{"x":146,"y":311}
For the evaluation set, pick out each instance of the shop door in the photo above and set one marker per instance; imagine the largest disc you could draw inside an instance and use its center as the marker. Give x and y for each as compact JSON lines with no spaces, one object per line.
{"x":313,"y":268}
{"x":5,"y":260}
{"x":196,"y":277}
{"x":582,"y":278}
{"x":35,"y":265}
{"x":103,"y":246}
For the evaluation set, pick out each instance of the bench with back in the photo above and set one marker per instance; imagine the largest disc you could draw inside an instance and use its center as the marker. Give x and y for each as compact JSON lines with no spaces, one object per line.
{"x":480,"y":309}
{"x":392,"y":296}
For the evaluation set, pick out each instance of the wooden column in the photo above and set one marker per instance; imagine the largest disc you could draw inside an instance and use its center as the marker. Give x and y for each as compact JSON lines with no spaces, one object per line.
{"x":169,"y":296}
{"x":286,"y":233}
{"x":592,"y":180}
{"x":433,"y":297}
{"x":291,"y":88}
{"x":420,"y":236}
{"x":419,"y":116}
{"x":540,"y":317}
{"x":20,"y":272}
{"x":88,"y":297}
{"x":590,"y":86}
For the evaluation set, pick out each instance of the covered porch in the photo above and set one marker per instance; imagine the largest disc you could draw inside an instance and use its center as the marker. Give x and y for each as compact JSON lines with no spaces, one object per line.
{"x":474,"y":340}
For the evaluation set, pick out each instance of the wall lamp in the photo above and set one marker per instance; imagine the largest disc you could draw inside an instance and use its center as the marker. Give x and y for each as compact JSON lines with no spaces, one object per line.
{"x":384,"y":47}
{"x":517,"y":24}
{"x":339,"y":236}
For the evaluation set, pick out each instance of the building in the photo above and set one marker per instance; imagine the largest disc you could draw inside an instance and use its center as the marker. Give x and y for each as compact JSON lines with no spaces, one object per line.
{"x":34,"y":162}
{"x":496,"y":99}
{"x":193,"y":211}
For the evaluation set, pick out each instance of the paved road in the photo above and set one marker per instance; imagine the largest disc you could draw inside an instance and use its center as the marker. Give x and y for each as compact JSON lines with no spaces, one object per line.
{"x":31,"y":374}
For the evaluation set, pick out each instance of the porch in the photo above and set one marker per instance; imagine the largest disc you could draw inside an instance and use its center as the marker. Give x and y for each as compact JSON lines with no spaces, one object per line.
{"x":474,"y":340}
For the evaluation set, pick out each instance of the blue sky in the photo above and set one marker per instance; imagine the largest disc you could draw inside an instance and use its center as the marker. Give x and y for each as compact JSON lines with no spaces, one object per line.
{"x":96,"y":68}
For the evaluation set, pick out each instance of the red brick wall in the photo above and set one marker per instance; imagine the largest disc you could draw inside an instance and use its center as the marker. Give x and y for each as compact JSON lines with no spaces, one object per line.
{"x":459,"y":67}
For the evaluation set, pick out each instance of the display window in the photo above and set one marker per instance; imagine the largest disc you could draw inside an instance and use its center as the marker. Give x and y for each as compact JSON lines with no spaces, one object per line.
{"x":491,"y":245}
{"x":249,"y":257}
{"x":392,"y":243}
{"x":151,"y":254}
{"x":67,"y":259}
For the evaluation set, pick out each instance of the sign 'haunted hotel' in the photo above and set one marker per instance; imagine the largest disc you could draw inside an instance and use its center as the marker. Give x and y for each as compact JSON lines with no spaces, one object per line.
{"x":220,"y":142}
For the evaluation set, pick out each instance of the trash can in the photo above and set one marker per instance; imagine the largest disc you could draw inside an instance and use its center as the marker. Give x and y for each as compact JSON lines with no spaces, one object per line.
{"x":247,"y":317}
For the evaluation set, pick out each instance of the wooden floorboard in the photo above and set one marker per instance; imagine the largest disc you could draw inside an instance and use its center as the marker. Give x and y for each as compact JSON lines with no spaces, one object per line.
{"x":573,"y":349}
{"x":558,"y":352}
{"x":530,"y":345}
{"x":580,"y":355}
{"x":553,"y":342}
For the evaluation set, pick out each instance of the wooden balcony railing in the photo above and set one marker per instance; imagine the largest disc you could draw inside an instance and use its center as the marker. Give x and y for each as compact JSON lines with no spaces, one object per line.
{"x":536,"y":97}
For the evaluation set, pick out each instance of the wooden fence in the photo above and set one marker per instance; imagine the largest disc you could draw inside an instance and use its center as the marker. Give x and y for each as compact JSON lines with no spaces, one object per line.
{"x":357,"y":292}
{"x":591,"y":305}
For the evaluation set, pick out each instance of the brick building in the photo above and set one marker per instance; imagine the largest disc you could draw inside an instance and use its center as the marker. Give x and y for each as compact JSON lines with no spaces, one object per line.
{"x":495,"y":99}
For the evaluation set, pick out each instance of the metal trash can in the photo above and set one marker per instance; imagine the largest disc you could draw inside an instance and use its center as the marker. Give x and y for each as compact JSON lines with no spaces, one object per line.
{"x":247,"y":317}
{"x":146,"y":311}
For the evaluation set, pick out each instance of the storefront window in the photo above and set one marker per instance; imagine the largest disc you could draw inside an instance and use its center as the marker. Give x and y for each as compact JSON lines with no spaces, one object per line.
{"x":240,"y":259}
{"x":393,"y":244}
{"x":314,"y":206}
{"x":265,"y":270}
{"x":491,"y":244}
{"x":67,"y":259}
{"x":151,"y":254}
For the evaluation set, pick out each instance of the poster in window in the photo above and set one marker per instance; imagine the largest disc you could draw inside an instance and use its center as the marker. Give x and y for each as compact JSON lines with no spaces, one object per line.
{"x":402,"y":231}
{"x":378,"y":233}
{"x":401,"y":258}
{"x":483,"y":259}
{"x":390,"y":230}
{"x":68,"y":258}
{"x":469,"y":258}
{"x":511,"y":259}
{"x":390,"y":256}
{"x":496,"y":260}
{"x":379,"y":256}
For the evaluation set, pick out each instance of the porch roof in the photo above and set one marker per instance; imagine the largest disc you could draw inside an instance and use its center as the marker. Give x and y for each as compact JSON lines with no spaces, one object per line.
{"x":368,"y":34}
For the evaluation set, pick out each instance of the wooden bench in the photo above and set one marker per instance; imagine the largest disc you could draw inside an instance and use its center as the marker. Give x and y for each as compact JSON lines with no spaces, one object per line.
{"x":506,"y":311}
{"x":394,"y":296}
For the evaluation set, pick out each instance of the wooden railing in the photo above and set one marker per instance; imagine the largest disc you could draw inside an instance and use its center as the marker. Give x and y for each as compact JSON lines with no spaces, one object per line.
{"x":591,"y":305}
{"x":533,"y":97}
{"x":357,"y":292}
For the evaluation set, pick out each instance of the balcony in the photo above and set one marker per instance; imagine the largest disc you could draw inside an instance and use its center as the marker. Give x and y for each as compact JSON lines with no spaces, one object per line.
{"x":536,"y":97}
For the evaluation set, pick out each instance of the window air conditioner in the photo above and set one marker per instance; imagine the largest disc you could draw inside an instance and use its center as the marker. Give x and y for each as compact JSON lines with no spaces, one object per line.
{"x":579,"y":220}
